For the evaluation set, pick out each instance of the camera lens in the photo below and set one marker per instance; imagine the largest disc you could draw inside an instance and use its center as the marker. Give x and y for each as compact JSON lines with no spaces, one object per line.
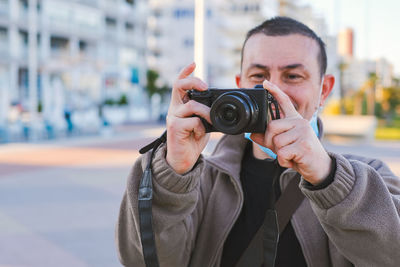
{"x":231,"y":112}
{"x":228,"y":113}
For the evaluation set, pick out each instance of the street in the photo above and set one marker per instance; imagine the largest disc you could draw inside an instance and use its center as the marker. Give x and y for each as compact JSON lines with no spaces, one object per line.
{"x":59,"y":200}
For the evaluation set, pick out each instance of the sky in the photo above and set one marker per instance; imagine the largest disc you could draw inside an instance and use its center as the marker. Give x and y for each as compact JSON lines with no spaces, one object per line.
{"x":376,"y":24}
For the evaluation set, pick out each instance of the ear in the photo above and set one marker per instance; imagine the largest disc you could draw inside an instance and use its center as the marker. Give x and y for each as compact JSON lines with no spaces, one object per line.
{"x":327,"y":86}
{"x":237,"y":77}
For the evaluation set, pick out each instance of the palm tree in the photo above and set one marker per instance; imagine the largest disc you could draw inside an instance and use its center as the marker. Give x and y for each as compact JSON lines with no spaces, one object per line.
{"x":371,"y":93}
{"x":342,"y":66}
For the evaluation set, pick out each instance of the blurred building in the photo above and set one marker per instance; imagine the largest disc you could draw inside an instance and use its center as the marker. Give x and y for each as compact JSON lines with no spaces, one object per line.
{"x":231,"y":22}
{"x":171,"y":36}
{"x":356,"y":73}
{"x":69,"y":54}
{"x":68,"y":57}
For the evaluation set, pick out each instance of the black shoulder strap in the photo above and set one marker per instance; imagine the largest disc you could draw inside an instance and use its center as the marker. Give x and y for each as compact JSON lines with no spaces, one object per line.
{"x":145,"y":198}
{"x":288,"y":202}
{"x":262,"y":248}
{"x":155,"y":143}
{"x":146,"y":220}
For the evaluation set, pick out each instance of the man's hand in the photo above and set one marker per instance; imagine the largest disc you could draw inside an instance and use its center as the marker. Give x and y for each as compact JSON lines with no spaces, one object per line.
{"x":186,"y":136}
{"x":294,"y":141}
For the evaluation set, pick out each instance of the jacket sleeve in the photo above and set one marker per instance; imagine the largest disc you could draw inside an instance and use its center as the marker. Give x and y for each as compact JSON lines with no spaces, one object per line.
{"x":359,"y":211}
{"x":175,"y":217}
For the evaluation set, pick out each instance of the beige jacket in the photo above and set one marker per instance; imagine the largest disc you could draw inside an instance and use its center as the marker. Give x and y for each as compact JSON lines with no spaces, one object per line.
{"x":354,"y":221}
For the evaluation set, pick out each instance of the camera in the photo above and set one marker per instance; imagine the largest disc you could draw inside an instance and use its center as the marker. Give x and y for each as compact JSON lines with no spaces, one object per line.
{"x":235,"y":111}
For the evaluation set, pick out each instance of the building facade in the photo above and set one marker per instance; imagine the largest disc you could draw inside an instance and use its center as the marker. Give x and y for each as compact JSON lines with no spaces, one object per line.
{"x":68,"y":55}
{"x":171,"y":36}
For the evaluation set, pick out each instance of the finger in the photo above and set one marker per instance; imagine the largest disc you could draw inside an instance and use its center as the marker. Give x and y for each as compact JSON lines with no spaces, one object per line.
{"x":186,"y":71}
{"x":184,"y":127}
{"x":284,"y":139}
{"x":286,"y":156}
{"x":180,"y":88}
{"x":283,"y":99}
{"x":277,"y":127}
{"x":189,"y":83}
{"x":193,"y":108}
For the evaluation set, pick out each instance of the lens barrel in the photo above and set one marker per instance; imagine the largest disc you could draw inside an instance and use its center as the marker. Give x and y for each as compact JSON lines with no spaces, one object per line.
{"x":232,"y":112}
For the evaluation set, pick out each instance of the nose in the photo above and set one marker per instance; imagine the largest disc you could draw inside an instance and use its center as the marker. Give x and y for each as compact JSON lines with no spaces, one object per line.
{"x":275,"y":80}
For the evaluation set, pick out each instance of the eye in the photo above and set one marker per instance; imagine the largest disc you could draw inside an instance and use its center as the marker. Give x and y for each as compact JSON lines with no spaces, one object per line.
{"x":258,"y":77}
{"x":293,"y":77}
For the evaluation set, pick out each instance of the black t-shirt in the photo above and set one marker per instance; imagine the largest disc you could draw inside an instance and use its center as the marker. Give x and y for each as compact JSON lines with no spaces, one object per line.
{"x":259,"y":179}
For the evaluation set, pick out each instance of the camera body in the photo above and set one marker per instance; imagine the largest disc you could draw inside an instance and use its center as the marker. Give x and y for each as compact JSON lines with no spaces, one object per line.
{"x":235,"y":111}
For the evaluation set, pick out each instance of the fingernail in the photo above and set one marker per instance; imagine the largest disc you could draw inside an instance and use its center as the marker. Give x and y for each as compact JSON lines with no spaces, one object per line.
{"x":267,"y":82}
{"x":269,"y":85}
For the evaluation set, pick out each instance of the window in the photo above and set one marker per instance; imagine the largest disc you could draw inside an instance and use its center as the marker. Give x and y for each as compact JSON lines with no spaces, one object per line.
{"x":82,"y":46}
{"x":23,"y":4}
{"x":188,"y":42}
{"x":3,"y":34}
{"x":58,"y":43}
{"x":111,"y":22}
{"x":23,"y":35}
{"x":183,"y":13}
{"x":129,"y":26}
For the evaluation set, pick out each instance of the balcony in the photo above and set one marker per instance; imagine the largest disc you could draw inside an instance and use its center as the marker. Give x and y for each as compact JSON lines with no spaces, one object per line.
{"x":4,"y":50}
{"x":94,"y":3}
{"x":110,"y":6}
{"x":60,"y":54}
{"x":59,"y":48}
{"x":4,"y":8}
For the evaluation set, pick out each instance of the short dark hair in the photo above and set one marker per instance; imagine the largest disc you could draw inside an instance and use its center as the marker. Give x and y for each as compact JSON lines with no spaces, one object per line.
{"x":281,"y":26}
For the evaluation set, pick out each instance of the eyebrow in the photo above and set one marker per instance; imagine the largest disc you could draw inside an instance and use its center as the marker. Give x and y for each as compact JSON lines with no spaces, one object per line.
{"x":258,"y":66}
{"x":286,"y":67}
{"x":292,"y":66}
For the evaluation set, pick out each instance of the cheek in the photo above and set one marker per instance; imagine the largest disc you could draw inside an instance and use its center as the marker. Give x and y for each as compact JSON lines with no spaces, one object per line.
{"x":304,"y":102}
{"x":245,"y":83}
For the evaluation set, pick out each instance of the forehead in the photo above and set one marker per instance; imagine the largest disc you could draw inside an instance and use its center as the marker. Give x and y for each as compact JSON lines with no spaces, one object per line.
{"x":276,"y":51}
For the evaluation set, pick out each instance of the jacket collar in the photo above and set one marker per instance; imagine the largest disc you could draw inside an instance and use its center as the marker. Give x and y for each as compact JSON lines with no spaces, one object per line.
{"x":228,"y":153}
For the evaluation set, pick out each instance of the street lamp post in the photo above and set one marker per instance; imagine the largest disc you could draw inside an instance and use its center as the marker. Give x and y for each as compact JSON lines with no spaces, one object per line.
{"x":199,"y":40}
{"x":32,"y":63}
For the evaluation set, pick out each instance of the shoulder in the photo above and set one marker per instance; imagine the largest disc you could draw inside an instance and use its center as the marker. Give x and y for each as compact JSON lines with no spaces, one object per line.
{"x":357,"y":165}
{"x":375,"y":163}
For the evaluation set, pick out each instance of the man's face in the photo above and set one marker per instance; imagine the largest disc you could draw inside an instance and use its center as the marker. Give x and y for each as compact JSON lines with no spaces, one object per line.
{"x":291,"y":63}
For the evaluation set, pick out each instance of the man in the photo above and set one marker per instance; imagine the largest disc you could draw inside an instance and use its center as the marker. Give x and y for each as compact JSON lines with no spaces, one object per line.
{"x":206,"y":211}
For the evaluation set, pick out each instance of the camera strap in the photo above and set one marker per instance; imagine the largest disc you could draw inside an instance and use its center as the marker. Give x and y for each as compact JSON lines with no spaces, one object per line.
{"x":263,"y":247}
{"x":145,"y":198}
{"x":272,"y":101}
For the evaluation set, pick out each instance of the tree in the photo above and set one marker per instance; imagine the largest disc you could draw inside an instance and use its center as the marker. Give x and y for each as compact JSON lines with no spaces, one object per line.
{"x":391,"y":102}
{"x":152,"y":88}
{"x":371,"y":93}
{"x":342,"y":67}
{"x":123,"y":100}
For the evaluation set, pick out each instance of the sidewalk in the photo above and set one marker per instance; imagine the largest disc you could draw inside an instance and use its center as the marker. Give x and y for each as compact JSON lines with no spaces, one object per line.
{"x":59,"y":200}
